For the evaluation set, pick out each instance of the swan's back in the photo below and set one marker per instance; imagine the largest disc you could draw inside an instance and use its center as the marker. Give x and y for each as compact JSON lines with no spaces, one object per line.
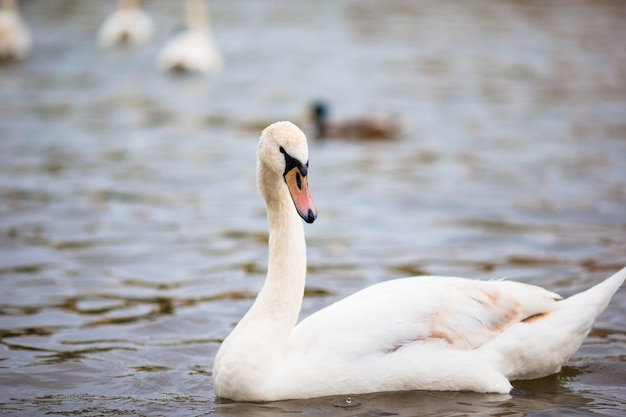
{"x":132,"y":27}
{"x":461,"y":313}
{"x":191,"y":51}
{"x":441,"y":333}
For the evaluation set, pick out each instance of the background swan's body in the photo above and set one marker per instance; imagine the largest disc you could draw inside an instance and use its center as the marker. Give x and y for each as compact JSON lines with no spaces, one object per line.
{"x":15,"y":38}
{"x":128,"y":25}
{"x":194,"y":48}
{"x":432,"y":333}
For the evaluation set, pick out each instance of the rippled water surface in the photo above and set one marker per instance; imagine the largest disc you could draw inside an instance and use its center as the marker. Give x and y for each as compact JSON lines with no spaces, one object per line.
{"x":132,"y":237}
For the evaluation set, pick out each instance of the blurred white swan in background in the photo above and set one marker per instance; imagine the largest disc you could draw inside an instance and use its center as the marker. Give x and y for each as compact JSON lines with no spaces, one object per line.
{"x":419,"y":333}
{"x":15,"y":38}
{"x":193,"y":49}
{"x":128,"y":25}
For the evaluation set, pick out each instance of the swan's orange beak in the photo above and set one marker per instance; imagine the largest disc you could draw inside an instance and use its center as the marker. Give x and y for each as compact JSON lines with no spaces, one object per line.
{"x":299,"y":190}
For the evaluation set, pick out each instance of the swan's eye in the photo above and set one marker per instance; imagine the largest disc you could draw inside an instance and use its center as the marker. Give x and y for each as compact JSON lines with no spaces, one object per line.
{"x":291,"y":162}
{"x":298,"y":181}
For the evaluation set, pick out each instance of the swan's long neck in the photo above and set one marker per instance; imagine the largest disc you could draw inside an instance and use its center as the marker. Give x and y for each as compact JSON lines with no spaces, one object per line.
{"x":277,"y":306}
{"x":266,"y":327}
{"x":281,"y":296}
{"x":250,"y":363}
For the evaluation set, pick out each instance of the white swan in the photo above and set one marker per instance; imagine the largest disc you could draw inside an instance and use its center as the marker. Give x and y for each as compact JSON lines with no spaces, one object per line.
{"x":15,"y":38}
{"x":194,"y":48}
{"x":426,"y":333}
{"x":128,"y":25}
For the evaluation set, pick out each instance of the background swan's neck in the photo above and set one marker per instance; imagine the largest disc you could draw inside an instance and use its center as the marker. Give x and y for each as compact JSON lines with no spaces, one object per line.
{"x":196,"y":15}
{"x":128,"y":4}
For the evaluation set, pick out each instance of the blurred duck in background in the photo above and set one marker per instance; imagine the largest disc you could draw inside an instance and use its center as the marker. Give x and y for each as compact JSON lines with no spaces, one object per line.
{"x":15,"y":39}
{"x":127,"y":26}
{"x":193,"y":49}
{"x":369,"y":127}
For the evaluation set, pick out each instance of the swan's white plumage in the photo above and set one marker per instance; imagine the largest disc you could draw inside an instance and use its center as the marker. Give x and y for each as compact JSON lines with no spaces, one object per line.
{"x":431,"y":333}
{"x":194,"y":48}
{"x":15,"y":38}
{"x":128,"y":25}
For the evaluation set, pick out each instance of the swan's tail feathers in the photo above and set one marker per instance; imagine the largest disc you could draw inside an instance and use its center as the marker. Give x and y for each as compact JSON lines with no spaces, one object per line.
{"x":599,"y":295}
{"x":558,"y":334}
{"x":580,"y":311}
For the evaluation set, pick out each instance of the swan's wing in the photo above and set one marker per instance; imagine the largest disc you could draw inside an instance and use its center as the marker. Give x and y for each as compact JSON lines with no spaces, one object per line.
{"x":455,"y":312}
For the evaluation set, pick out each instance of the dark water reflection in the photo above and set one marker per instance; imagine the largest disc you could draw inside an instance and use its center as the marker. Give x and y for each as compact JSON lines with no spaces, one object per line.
{"x":132,"y":237}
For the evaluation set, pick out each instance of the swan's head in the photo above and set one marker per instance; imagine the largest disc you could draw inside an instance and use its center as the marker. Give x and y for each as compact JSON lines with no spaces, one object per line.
{"x":283,"y":149}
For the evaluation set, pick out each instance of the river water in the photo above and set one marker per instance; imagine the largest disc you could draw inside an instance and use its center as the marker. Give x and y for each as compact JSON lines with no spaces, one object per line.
{"x":132,"y":237}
